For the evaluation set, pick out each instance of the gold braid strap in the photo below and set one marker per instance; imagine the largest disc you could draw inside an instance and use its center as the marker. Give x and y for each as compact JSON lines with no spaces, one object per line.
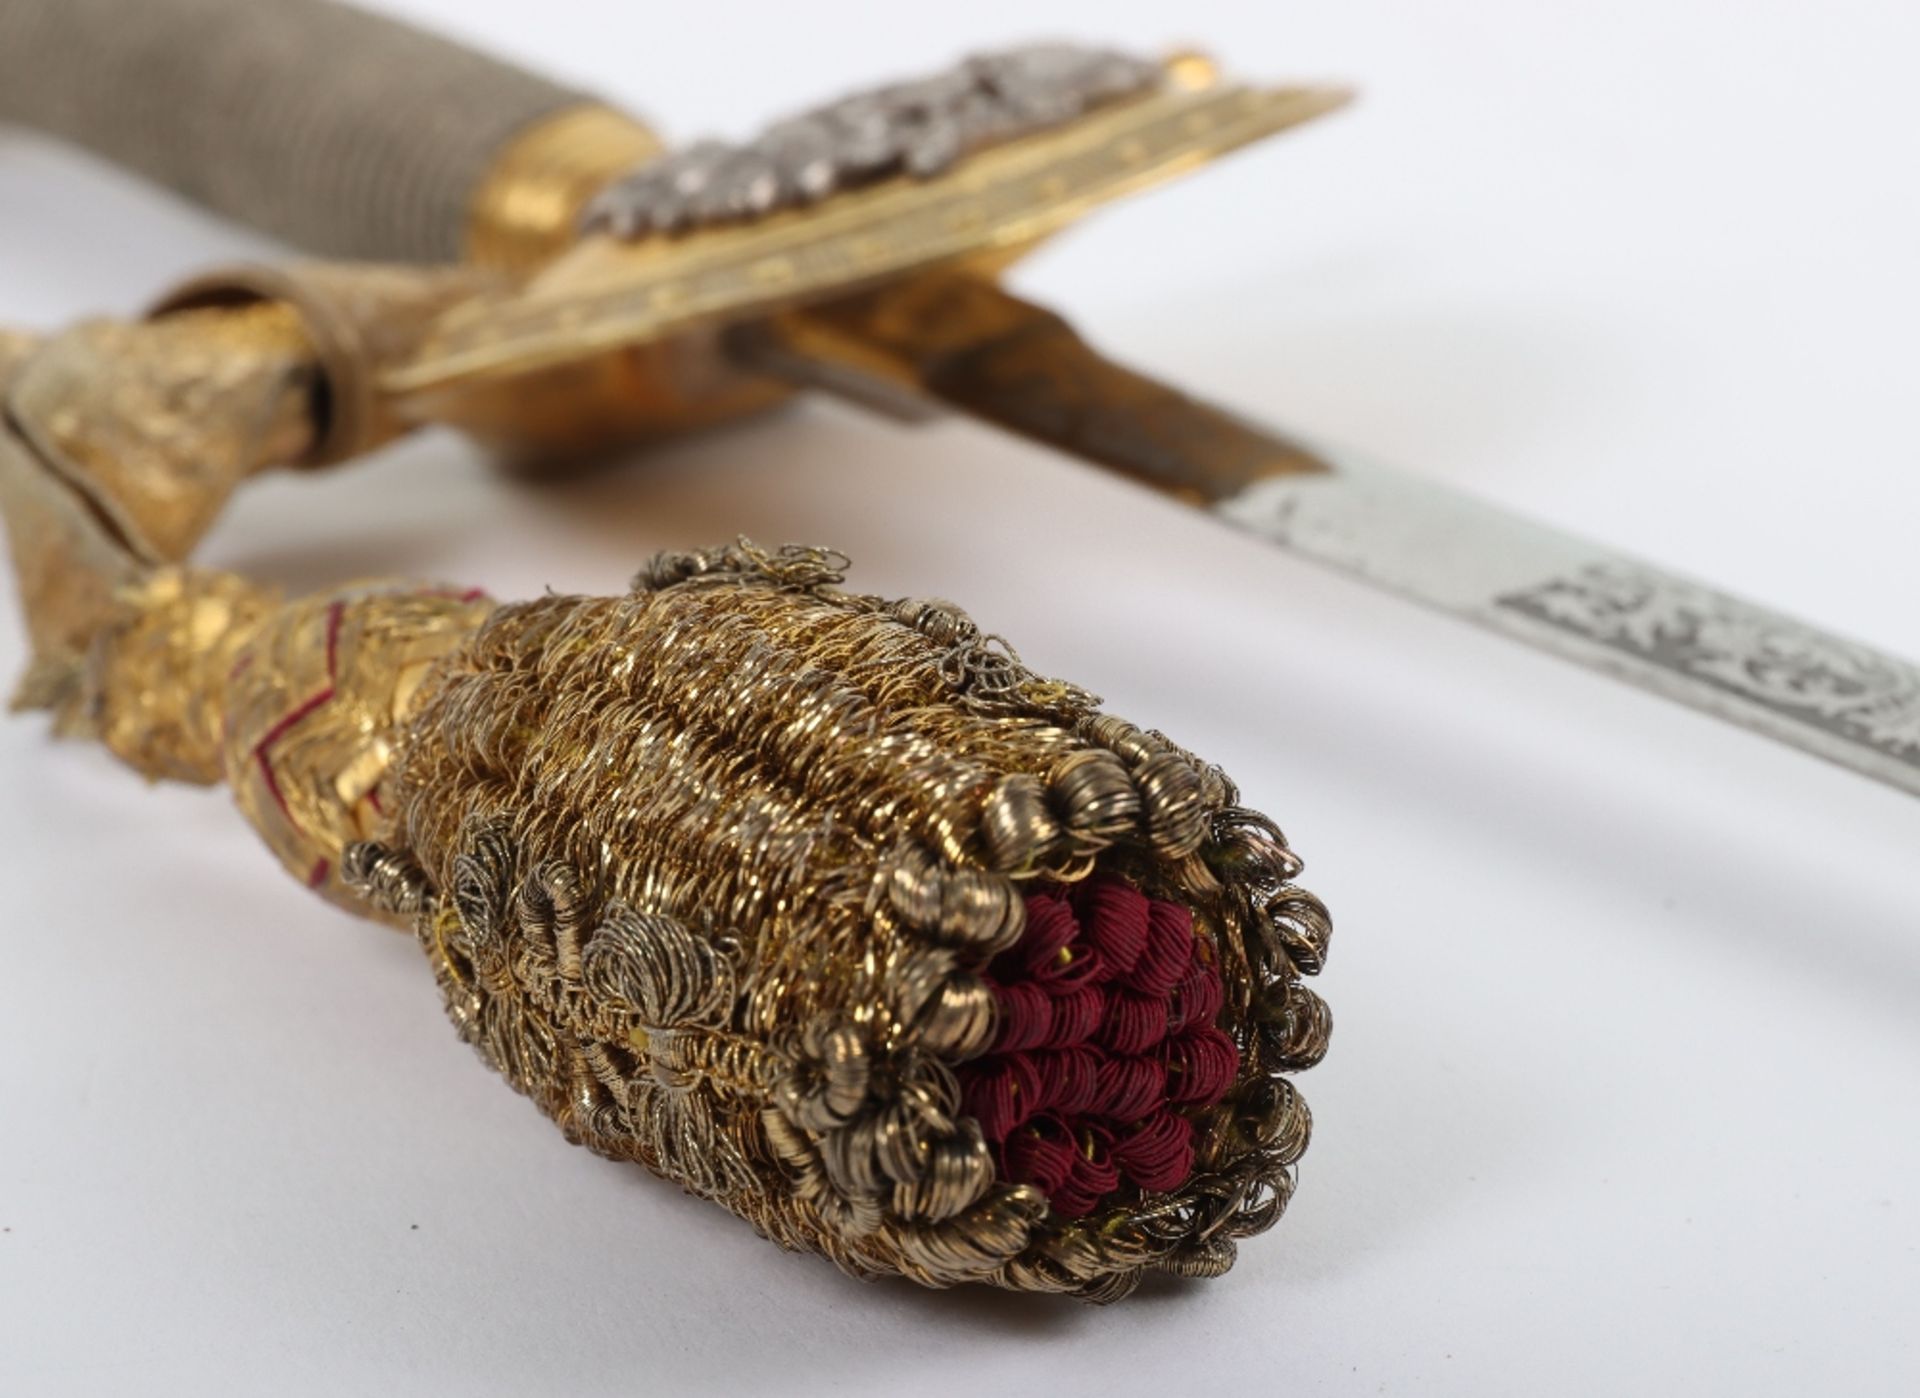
{"x":822,"y":905}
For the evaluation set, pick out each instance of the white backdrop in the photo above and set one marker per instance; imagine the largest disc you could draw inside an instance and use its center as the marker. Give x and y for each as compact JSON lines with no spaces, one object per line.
{"x":1623,"y":1091}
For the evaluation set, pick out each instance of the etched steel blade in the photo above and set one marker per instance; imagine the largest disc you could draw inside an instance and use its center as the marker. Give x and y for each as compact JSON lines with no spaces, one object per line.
{"x":1830,"y":696}
{"x":966,"y":343}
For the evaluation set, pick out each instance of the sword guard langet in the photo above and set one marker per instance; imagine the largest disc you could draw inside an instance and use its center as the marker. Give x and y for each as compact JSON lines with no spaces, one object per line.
{"x":919,"y":178}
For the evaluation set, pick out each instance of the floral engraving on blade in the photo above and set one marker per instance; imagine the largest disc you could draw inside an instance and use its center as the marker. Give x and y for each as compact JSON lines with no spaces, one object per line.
{"x":1841,"y":688}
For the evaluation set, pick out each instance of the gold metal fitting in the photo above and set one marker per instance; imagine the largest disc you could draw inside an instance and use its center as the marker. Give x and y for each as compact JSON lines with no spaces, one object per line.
{"x":525,"y":208}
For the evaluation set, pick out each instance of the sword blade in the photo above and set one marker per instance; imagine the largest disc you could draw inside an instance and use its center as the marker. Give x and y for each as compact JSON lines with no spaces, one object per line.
{"x":1578,"y":599}
{"x":963,"y":342}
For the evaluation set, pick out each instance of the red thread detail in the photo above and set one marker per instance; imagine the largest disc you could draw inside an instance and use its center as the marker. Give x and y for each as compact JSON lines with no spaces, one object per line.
{"x":1130,"y":1088}
{"x":1133,"y":1023}
{"x":292,"y":717}
{"x":1040,"y":1154}
{"x":1115,"y":915}
{"x":1075,"y":1017}
{"x":1077,"y":964}
{"x":1069,"y":1079}
{"x":1105,"y":1040}
{"x":334,"y":613}
{"x":317,"y":875}
{"x":1169,"y":949}
{"x":1050,"y":926}
{"x":336,"y":616}
{"x":275,"y":733}
{"x":1201,"y":1066}
{"x":1198,"y":998}
{"x":1094,"y":1176}
{"x":1026,"y":1016}
{"x":1159,"y":1153}
{"x":1004,"y":1097}
{"x":273,"y":736}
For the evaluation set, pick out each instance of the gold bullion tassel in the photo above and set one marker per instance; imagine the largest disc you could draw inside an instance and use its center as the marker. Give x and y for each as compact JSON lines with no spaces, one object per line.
{"x":822,"y":905}
{"x":819,"y":904}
